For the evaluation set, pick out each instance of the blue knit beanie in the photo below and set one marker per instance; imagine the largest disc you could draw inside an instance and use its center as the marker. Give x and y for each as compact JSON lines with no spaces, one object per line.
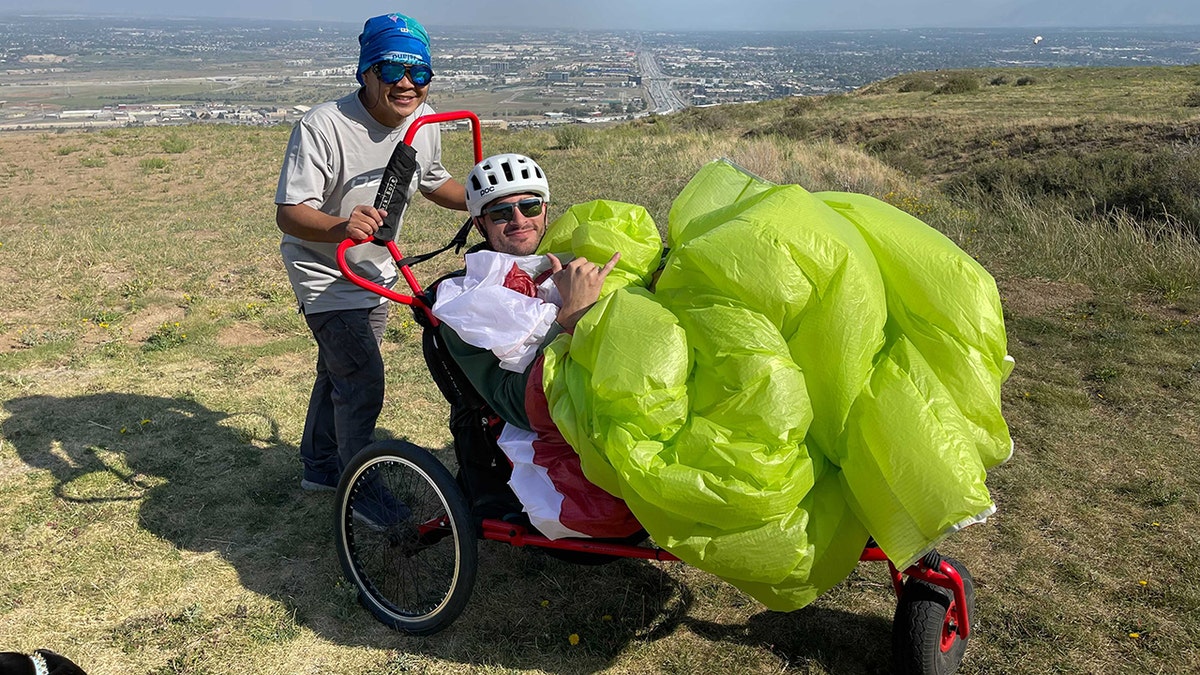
{"x":392,"y":37}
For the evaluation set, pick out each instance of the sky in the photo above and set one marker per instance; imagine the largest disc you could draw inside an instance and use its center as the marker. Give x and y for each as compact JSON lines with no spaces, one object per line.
{"x":667,"y":15}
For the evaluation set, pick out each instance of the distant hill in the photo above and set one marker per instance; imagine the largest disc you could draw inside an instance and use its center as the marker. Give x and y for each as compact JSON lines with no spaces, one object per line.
{"x":1103,"y":140}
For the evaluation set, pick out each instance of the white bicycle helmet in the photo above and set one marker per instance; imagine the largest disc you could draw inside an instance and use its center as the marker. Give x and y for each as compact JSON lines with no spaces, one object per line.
{"x":503,"y":175}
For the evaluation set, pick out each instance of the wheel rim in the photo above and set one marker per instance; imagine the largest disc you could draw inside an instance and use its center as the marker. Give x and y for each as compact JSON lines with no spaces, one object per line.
{"x":410,"y":568}
{"x":949,"y":629}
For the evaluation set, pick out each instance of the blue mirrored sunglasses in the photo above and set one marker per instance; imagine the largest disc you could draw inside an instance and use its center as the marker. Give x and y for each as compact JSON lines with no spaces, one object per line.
{"x":502,"y":213}
{"x":391,"y":72}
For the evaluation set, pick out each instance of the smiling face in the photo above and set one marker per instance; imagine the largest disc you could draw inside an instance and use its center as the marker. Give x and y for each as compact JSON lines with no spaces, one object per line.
{"x":391,"y":104}
{"x":518,"y":236}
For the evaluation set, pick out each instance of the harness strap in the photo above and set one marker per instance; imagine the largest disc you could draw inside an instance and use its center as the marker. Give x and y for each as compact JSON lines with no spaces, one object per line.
{"x":458,"y":242}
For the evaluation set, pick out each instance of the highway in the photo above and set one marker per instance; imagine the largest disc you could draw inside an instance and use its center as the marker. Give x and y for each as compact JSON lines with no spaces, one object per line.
{"x":663,"y":99}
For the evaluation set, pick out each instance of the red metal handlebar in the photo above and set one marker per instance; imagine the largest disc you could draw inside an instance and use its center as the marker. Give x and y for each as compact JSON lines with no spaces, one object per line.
{"x":351,"y":276}
{"x":448,"y":117}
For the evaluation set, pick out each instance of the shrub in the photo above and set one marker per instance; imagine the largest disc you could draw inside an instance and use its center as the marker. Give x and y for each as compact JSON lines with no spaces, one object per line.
{"x":798,"y":105}
{"x":165,"y":337}
{"x":1192,"y":100}
{"x":714,"y":119}
{"x":569,"y":136}
{"x":906,"y":161}
{"x":999,"y":80}
{"x":917,"y":82}
{"x":911,"y":203}
{"x":960,"y":83}
{"x":793,"y":128}
{"x":175,"y":144}
{"x":1025,"y":80}
{"x":1150,"y":187}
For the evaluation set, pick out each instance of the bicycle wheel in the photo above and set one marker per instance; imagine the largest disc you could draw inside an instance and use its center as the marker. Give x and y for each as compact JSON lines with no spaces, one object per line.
{"x":405,"y":538}
{"x":925,"y":638}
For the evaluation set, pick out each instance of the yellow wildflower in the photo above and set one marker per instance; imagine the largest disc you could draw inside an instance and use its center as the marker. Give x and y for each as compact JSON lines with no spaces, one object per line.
{"x":574,"y":639}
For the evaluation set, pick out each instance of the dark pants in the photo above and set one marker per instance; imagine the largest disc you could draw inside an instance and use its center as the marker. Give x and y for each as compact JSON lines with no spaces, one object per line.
{"x":348,"y":393}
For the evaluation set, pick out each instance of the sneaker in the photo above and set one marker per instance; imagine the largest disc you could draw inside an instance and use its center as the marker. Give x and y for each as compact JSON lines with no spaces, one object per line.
{"x":378,"y":509}
{"x":317,"y":482}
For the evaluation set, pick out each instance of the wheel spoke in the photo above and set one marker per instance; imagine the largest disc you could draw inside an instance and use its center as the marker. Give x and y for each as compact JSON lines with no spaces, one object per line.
{"x":412,"y":580}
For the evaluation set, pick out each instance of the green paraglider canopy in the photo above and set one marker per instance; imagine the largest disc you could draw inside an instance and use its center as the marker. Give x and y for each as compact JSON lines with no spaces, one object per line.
{"x":810,"y":368}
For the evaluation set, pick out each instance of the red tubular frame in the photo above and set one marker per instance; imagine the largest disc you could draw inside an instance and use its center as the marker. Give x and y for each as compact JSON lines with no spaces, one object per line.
{"x":411,"y":280}
{"x":945,"y":576}
{"x":517,"y":535}
{"x":498,"y":530}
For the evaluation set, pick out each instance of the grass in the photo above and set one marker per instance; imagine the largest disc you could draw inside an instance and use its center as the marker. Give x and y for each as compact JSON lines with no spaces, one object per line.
{"x":150,"y":516}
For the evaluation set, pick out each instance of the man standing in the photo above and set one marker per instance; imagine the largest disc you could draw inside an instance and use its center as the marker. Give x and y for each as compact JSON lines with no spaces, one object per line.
{"x":335,"y":159}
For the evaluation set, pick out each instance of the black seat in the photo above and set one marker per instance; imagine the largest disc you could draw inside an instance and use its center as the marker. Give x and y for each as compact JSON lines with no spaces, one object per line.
{"x":483,"y":469}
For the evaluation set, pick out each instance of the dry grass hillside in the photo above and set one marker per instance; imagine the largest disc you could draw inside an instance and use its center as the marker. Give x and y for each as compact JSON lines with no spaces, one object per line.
{"x":154,"y":377}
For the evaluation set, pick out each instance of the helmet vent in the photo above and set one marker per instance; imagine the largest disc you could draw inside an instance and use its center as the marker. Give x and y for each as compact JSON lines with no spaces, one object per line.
{"x":501,"y":176}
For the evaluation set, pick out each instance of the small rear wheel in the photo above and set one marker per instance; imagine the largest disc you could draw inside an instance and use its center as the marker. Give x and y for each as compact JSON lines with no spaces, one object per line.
{"x":925,"y":638}
{"x":405,"y":538}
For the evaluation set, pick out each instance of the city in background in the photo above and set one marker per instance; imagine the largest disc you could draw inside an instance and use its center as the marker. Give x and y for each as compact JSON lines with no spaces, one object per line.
{"x":100,"y":72}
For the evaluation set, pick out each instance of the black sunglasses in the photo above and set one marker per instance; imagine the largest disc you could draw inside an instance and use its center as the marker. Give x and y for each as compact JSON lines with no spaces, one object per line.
{"x":391,"y":72}
{"x":502,"y":213}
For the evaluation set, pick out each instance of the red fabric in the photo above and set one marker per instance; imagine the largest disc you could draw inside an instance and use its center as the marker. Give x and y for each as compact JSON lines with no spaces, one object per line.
{"x":585,"y":508}
{"x":519,"y":280}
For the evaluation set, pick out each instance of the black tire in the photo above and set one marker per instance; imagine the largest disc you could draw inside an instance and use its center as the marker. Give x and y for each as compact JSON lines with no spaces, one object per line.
{"x":924,"y":636}
{"x":414,"y":564}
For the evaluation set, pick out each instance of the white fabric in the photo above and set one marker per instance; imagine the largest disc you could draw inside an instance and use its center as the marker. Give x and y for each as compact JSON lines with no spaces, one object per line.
{"x":532,"y":485}
{"x":335,"y":160}
{"x":485,"y":314}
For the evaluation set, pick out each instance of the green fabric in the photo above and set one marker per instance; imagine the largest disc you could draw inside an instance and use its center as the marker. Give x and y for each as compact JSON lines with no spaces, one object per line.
{"x":808,"y":369}
{"x":596,"y":229}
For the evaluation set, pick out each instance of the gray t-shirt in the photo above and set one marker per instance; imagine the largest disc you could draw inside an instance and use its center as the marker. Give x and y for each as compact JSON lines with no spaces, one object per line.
{"x":335,"y":160}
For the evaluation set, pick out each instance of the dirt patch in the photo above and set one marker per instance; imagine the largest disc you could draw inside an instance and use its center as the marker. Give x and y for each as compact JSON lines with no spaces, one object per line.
{"x":196,"y":237}
{"x":1188,"y":432}
{"x":1156,"y":308}
{"x":9,"y":276}
{"x":1041,"y":297}
{"x":295,"y":362}
{"x":146,"y":322}
{"x":243,"y":335}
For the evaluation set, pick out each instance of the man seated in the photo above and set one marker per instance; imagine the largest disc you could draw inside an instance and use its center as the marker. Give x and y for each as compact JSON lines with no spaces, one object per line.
{"x":508,"y":197}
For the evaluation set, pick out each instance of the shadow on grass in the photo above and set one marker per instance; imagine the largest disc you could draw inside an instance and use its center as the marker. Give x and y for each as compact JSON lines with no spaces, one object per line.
{"x":812,"y":638}
{"x":206,"y":480}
